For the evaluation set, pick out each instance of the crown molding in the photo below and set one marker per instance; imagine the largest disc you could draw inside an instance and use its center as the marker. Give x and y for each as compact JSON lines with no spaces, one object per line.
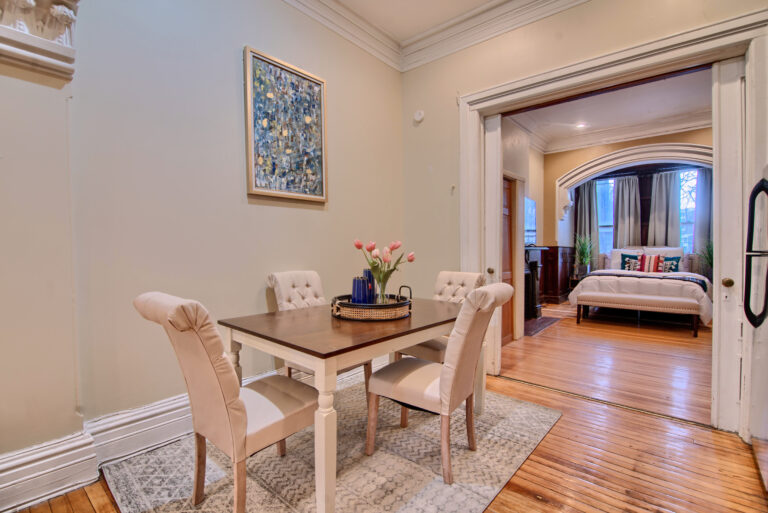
{"x":475,"y":27}
{"x":353,"y":28}
{"x":456,"y":34}
{"x":663,"y":126}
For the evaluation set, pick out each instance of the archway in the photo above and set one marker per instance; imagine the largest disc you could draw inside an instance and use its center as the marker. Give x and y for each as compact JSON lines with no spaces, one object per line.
{"x":647,"y":154}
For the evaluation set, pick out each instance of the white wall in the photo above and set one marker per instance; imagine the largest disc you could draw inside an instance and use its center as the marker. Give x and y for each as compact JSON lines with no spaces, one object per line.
{"x":159,"y":172}
{"x":37,"y":333}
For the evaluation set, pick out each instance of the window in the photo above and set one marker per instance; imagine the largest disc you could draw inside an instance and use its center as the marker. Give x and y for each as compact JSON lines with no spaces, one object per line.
{"x":604,"y":190}
{"x":688,"y":179}
{"x":530,"y":221}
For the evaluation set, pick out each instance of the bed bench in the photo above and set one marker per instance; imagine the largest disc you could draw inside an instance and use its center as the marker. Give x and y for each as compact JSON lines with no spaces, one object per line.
{"x":676,"y":305}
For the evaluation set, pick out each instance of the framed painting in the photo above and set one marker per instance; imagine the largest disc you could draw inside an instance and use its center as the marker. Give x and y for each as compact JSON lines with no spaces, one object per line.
{"x":285,"y":125}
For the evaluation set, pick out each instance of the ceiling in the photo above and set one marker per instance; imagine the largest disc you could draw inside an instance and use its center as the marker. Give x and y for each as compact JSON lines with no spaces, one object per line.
{"x":675,"y":104}
{"x":405,"y":19}
{"x":406,"y":34}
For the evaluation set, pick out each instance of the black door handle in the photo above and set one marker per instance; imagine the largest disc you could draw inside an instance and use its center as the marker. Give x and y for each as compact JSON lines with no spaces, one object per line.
{"x":755,"y":319}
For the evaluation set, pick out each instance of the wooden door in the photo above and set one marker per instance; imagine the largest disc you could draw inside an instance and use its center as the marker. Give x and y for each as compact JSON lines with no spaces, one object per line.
{"x":507,"y":227}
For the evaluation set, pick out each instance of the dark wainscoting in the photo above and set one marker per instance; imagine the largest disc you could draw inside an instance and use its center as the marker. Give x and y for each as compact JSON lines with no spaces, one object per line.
{"x":557,"y":267}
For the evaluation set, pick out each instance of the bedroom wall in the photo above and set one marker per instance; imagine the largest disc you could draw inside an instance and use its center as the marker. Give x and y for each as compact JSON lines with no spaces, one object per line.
{"x":431,"y":149}
{"x":159,"y":173}
{"x":557,"y":164}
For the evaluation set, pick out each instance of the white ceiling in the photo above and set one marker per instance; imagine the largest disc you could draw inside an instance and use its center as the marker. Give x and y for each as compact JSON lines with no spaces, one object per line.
{"x":406,"y":34}
{"x":405,"y":19}
{"x":670,"y":105}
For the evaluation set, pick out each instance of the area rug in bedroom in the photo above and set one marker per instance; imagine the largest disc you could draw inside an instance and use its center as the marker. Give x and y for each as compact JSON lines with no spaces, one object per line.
{"x":403,"y":475}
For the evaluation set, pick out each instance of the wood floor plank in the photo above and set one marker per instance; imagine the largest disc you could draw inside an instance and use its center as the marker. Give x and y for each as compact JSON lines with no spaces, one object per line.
{"x":649,"y":463}
{"x":43,"y":507}
{"x":60,"y":505}
{"x":80,"y":502}
{"x":99,"y":498}
{"x":658,"y":368}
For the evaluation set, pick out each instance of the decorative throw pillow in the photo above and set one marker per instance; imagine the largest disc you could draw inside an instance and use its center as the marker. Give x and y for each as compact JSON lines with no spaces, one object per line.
{"x":671,"y":264}
{"x":630,"y":262}
{"x":649,"y":263}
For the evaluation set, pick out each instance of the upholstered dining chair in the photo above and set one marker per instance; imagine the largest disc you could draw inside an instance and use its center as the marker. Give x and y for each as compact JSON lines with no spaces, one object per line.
{"x":303,"y":289}
{"x":441,"y":388}
{"x":451,"y":286}
{"x":240,"y":421}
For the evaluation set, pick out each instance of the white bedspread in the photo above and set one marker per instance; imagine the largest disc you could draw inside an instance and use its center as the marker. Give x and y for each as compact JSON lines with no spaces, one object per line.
{"x":636,"y":282}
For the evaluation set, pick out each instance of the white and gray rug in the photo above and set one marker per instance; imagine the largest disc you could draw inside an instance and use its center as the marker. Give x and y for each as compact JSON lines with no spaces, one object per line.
{"x":403,"y":475}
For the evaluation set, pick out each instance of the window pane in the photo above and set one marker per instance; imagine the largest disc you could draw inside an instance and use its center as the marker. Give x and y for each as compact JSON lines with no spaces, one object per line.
{"x":604,"y":190}
{"x":688,"y":181}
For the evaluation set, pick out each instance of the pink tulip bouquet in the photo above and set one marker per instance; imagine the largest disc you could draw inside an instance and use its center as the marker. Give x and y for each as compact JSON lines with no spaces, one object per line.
{"x":382,"y":264}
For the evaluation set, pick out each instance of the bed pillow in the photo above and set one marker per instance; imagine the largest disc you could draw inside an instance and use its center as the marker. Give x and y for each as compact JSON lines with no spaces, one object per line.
{"x":616,"y":260}
{"x":670,"y":264}
{"x":663,"y":251}
{"x":651,"y":263}
{"x":630,"y":262}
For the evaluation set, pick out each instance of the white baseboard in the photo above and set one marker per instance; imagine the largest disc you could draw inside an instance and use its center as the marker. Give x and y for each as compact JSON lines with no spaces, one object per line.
{"x":43,"y":471}
{"x":34,"y":474}
{"x":125,"y":433}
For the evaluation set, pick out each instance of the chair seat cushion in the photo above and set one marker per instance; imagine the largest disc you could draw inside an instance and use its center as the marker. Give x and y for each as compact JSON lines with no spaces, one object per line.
{"x":431,"y":350}
{"x":276,"y":407}
{"x":411,"y":381}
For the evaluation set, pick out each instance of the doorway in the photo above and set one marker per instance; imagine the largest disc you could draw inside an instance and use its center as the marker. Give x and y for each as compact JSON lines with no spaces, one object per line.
{"x":478,"y":249}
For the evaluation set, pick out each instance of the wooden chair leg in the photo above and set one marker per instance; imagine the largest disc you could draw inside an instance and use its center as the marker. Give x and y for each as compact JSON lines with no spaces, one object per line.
{"x":403,"y":417}
{"x":471,"y":422}
{"x":373,"y":415}
{"x":578,"y":314}
{"x":445,"y":448}
{"x":280,"y":447}
{"x":398,"y":356}
{"x":288,"y":372}
{"x":367,"y":371}
{"x":198,"y":490}
{"x":695,"y":326}
{"x":239,"y":469}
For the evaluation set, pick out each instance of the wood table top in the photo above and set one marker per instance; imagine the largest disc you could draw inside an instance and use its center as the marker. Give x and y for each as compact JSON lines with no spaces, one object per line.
{"x":315,"y":331}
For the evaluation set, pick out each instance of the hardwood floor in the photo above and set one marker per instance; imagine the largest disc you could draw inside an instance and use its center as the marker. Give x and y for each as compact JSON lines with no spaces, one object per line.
{"x":94,"y":498}
{"x":604,"y":458}
{"x":656,"y":367}
{"x":596,"y":458}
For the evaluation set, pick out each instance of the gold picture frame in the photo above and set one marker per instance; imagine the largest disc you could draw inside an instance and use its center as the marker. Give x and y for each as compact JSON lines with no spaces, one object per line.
{"x":285,"y":129}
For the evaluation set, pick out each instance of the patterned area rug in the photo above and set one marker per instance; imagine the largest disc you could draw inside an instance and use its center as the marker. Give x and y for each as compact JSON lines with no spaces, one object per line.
{"x":534,"y":326}
{"x":404,"y":473}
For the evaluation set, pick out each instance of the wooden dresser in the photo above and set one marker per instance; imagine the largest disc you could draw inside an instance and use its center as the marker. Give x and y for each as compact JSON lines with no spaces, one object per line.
{"x":557,"y":267}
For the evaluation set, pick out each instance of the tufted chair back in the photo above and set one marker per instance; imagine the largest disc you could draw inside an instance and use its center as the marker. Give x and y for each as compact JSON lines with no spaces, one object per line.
{"x":461,"y":357}
{"x":218,"y":413}
{"x":454,"y":286}
{"x":297,"y":289}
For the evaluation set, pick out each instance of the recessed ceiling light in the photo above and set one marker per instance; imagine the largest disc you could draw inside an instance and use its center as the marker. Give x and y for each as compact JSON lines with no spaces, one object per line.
{"x":581,"y":125}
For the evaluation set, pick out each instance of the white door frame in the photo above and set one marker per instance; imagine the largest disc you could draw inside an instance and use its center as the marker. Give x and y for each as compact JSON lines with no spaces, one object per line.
{"x":713,"y":43}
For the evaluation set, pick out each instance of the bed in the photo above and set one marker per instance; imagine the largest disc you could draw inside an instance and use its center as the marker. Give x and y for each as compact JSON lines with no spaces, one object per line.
{"x":681,"y":292}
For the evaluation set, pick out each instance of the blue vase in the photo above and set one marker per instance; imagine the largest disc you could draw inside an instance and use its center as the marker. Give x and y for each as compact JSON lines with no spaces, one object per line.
{"x":359,"y":290}
{"x":371,"y":296}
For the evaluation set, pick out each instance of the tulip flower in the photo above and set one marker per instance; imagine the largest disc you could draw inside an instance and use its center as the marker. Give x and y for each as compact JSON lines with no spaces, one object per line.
{"x":387,"y":258}
{"x":358,"y":244}
{"x":387,"y":251}
{"x":411,"y":257}
{"x":374,"y":253}
{"x":394,"y":245}
{"x":370,"y":246}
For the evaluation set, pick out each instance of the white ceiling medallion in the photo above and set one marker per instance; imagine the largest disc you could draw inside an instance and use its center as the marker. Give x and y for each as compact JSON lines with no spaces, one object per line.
{"x":461,"y":32}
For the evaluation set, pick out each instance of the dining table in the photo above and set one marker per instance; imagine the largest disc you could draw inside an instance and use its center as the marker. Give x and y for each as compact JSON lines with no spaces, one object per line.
{"x":314,"y":338}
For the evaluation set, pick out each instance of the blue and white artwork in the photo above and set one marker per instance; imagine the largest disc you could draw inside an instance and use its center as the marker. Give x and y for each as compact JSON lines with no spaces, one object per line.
{"x":286,"y":153}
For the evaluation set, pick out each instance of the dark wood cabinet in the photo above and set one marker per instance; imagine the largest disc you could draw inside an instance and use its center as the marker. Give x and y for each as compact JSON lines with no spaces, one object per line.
{"x":557,"y":267}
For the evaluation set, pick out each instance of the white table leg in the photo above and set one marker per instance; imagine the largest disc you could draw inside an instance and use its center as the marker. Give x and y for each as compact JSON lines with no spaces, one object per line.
{"x":325,"y":437}
{"x":480,"y":382}
{"x":234,"y":352}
